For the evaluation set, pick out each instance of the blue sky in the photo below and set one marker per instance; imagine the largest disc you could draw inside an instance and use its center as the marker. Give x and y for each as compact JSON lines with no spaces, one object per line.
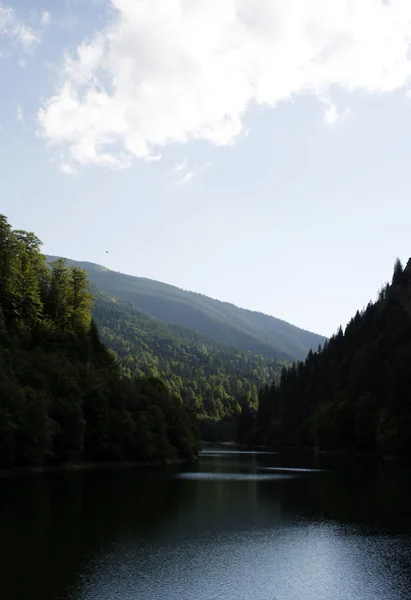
{"x":254,"y":151}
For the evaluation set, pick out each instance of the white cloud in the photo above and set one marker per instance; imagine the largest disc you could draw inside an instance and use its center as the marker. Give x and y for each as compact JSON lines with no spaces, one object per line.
{"x":45,"y":18}
{"x":191,"y":174}
{"x":67,"y":169}
{"x":153,"y":158}
{"x":22,"y":63}
{"x":15,"y":30}
{"x":171,"y":71}
{"x":188,"y":177}
{"x":20,"y":115}
{"x":180,"y":166}
{"x":332,"y":114}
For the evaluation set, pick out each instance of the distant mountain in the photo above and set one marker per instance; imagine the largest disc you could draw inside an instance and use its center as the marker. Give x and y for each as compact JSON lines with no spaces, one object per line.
{"x":219,"y":321}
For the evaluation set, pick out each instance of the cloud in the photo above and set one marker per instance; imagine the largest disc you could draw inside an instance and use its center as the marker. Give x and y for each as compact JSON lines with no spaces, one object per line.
{"x":192,"y":173}
{"x":173,"y":71}
{"x":14,"y":30}
{"x":180,"y":166}
{"x":67,"y":169}
{"x":45,"y":18}
{"x":20,"y":115}
{"x":332,"y":114}
{"x":188,"y":177}
{"x":153,"y":158}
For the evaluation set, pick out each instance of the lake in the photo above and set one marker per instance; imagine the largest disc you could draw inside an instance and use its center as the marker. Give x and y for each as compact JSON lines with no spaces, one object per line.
{"x":233,"y":526}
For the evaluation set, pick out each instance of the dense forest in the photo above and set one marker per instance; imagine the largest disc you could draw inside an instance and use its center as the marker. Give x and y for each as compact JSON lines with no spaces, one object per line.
{"x":212,"y":355}
{"x":85,"y":375}
{"x":354,"y":393}
{"x":223,"y":322}
{"x":63,"y":396}
{"x":214,"y":380}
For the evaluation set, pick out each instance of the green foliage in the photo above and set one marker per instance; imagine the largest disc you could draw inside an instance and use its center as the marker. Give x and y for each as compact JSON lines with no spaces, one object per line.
{"x":355,"y":393}
{"x":22,"y":269}
{"x":212,"y":379}
{"x":63,"y":396}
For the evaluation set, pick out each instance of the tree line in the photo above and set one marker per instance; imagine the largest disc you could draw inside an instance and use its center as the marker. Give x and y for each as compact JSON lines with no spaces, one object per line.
{"x":354,"y":393}
{"x":63,"y":395}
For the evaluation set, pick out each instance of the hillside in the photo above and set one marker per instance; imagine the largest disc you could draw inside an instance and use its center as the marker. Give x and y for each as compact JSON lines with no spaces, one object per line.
{"x":213,"y":379}
{"x":355,"y":393}
{"x":63,"y":397}
{"x":220,"y":321}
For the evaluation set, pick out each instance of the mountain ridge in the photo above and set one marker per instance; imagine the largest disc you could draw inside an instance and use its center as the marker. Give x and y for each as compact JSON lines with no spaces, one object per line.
{"x":220,"y":320}
{"x":86,"y":263}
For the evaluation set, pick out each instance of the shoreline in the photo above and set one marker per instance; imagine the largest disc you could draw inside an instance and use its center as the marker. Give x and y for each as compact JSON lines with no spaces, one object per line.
{"x":72,"y":467}
{"x":89,"y":466}
{"x":338,"y":453}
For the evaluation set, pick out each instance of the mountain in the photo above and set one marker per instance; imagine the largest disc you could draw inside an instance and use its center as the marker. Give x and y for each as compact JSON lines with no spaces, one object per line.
{"x":212,"y":355}
{"x":354,"y":394}
{"x":220,"y":321}
{"x":214,"y":380}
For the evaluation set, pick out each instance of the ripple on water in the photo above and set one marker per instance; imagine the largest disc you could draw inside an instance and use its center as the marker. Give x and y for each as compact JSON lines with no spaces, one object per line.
{"x":233,"y":476}
{"x":306,"y":562}
{"x":222,"y":452}
{"x":292,"y":470}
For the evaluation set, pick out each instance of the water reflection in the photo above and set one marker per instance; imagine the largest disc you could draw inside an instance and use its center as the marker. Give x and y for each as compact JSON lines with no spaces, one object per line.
{"x":292,"y":470}
{"x":219,"y":453}
{"x":232,"y":526}
{"x":232,"y":476}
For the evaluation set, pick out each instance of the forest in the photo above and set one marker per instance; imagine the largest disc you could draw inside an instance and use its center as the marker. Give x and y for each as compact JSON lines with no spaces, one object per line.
{"x":86,"y":376}
{"x":214,"y":380}
{"x":354,"y":393}
{"x":63,"y":395}
{"x":212,"y":355}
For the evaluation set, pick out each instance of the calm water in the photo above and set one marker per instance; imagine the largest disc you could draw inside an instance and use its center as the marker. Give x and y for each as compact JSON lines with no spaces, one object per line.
{"x":235,"y":526}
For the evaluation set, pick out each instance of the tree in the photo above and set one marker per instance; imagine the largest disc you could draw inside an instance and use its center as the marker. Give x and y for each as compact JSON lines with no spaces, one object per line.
{"x":31,"y":277}
{"x":57,"y":304}
{"x":397,"y":277}
{"x":79,"y":301}
{"x":9,"y":274}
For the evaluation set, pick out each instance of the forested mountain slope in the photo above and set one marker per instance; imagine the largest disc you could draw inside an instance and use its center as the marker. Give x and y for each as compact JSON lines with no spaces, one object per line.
{"x":221,"y":321}
{"x":213,"y":379}
{"x":355,"y":394}
{"x":62,"y":394}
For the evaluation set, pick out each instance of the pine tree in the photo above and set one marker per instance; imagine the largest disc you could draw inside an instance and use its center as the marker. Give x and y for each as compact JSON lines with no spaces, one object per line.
{"x":57,"y":304}
{"x":31,"y":273}
{"x":80,"y":301}
{"x":9,"y":274}
{"x":397,"y":277}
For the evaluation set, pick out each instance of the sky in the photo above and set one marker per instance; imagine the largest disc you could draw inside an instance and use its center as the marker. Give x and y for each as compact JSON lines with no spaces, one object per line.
{"x":256,"y":151}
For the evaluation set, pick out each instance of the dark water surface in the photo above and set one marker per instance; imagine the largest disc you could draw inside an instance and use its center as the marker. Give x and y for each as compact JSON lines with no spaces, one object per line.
{"x":234,"y":526}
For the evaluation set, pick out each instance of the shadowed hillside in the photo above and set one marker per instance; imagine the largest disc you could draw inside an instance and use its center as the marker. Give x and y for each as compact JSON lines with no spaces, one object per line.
{"x":221,"y":321}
